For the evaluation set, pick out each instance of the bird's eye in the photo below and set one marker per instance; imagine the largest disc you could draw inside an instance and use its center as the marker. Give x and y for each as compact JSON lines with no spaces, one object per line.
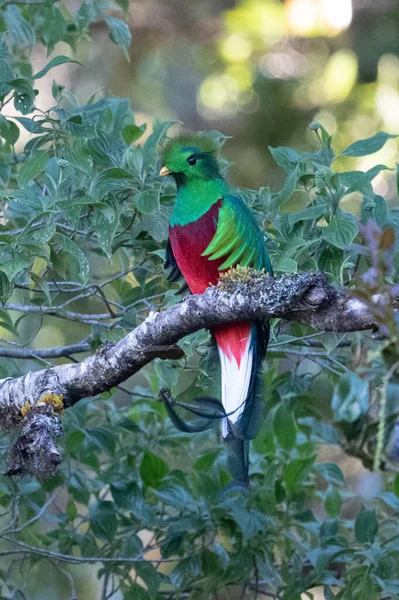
{"x":192,"y":160}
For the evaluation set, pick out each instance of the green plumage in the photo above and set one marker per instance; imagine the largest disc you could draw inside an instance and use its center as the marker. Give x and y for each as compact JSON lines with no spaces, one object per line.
{"x":238,"y":238}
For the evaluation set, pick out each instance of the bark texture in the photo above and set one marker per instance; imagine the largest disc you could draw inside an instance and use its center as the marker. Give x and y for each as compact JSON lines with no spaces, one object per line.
{"x":27,"y":401}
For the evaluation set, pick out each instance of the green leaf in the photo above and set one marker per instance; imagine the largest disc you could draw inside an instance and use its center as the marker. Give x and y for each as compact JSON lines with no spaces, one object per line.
{"x":151,"y":143}
{"x":42,"y":284}
{"x":59,"y":175}
{"x":131,"y":546}
{"x":31,"y":125}
{"x":365,"y":178}
{"x":351,"y":398}
{"x":131,"y":133}
{"x":6,"y":287}
{"x":119,"y":33}
{"x":168,"y":374}
{"x":157,"y":224}
{"x":6,"y":322}
{"x":103,"y":522}
{"x":368,"y":145}
{"x":6,"y":75}
{"x":295,"y":471}
{"x":4,"y":50}
{"x":136,"y":592}
{"x":285,"y":157}
{"x":135,"y":160}
{"x":109,"y":179}
{"x":153,"y":469}
{"x":69,"y":246}
{"x":103,"y":439}
{"x":21,"y":31}
{"x":54,"y":62}
{"x":342,"y":230}
{"x":124,"y":4}
{"x":186,"y":569}
{"x":390,"y":500}
{"x":332,"y":502}
{"x":126,"y":494}
{"x":205,"y":462}
{"x":307,"y":214}
{"x":176,"y":495}
{"x":80,"y":128}
{"x":331,"y":473}
{"x":286,"y":265}
{"x":375,"y":207}
{"x":54,"y":27}
{"x":85,"y":15}
{"x":147,"y":201}
{"x":289,"y":187}
{"x":74,"y":440}
{"x":9,"y":131}
{"x":44,"y":234}
{"x":71,"y":510}
{"x":366,"y":526}
{"x":129,"y":319}
{"x":251,"y":522}
{"x":148,"y":573}
{"x":284,"y":427}
{"x":33,"y":167}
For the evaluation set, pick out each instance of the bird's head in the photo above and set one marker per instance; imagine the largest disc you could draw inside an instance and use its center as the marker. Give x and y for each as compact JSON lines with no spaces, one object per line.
{"x":189,"y":158}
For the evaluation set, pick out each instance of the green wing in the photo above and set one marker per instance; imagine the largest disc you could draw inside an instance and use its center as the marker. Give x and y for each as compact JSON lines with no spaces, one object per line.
{"x":238,"y":238}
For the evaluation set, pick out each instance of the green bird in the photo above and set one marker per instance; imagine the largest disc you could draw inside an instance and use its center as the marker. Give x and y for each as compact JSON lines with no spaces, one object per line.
{"x":211,"y":230}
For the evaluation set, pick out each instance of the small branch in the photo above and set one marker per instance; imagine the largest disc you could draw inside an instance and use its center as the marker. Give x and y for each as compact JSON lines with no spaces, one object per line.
{"x":58,"y":312}
{"x":59,"y":351}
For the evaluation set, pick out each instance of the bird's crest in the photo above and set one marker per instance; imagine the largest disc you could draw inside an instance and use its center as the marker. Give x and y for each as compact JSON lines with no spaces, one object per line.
{"x":201,"y":143}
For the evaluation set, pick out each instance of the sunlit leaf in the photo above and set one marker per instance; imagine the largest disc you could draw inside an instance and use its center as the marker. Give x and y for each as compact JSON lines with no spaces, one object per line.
{"x":368,"y":145}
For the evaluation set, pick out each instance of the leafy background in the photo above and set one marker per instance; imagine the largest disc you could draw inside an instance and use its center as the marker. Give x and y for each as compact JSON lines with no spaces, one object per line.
{"x":82,"y":236}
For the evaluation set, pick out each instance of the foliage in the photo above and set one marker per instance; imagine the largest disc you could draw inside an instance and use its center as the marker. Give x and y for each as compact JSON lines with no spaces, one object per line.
{"x":82,"y":237}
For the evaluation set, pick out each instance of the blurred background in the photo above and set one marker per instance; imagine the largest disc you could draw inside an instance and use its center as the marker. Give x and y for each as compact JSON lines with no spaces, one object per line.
{"x":259,"y":71}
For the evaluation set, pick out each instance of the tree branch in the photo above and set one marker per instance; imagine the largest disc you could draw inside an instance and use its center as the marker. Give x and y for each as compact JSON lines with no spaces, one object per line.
{"x":58,"y":352}
{"x":305,"y":298}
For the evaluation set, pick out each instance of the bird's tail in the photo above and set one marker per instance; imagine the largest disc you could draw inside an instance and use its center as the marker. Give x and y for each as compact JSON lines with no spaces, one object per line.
{"x":242,"y":347}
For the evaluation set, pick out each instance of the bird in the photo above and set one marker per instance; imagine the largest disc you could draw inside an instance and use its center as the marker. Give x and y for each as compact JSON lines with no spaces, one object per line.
{"x":212,"y":230}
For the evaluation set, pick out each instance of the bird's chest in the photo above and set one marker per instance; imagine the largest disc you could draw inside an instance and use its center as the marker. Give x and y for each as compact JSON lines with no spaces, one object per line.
{"x":189,"y":242}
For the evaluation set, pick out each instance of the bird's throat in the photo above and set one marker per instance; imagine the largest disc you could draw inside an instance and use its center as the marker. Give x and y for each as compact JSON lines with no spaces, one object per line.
{"x":195,"y":198}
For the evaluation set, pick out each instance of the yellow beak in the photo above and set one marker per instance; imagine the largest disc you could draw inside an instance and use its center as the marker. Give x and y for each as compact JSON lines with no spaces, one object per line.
{"x":164,"y":171}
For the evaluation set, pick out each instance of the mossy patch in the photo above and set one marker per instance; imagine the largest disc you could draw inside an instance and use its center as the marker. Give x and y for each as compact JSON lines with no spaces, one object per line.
{"x":229,"y":279}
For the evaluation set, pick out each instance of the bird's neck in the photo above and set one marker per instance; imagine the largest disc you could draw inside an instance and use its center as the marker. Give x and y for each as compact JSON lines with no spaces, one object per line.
{"x":195,"y":198}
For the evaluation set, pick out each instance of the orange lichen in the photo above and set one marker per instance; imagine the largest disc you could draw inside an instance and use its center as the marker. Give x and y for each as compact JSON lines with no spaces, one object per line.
{"x":26,"y":408}
{"x":53,"y":400}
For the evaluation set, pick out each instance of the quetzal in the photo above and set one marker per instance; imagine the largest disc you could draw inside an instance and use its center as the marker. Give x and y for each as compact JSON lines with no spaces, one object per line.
{"x":211,"y":229}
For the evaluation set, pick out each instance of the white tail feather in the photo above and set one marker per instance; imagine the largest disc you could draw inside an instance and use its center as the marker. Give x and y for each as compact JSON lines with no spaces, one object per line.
{"x":235,"y":384}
